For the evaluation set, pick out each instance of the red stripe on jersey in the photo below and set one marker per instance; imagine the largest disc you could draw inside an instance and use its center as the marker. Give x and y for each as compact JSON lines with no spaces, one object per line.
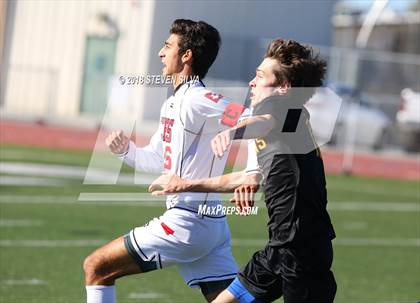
{"x":232,"y":113}
{"x":167,"y":229}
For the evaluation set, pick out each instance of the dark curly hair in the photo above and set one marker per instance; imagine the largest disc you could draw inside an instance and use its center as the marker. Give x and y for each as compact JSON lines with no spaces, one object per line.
{"x":298,"y":65}
{"x":202,"y":39}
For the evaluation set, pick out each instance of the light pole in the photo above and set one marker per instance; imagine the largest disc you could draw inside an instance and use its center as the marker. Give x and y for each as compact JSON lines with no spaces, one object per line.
{"x":361,"y":42}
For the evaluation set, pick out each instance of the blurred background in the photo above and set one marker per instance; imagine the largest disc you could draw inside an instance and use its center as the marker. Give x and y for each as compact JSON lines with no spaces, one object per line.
{"x":61,"y":65}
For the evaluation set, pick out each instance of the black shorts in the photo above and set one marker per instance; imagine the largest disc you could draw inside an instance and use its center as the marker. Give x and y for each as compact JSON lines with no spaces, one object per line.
{"x":300,"y":275}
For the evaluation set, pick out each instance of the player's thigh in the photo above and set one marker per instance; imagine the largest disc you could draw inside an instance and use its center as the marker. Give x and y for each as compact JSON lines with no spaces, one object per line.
{"x":308,"y":279}
{"x":212,"y":289}
{"x":260,"y":275}
{"x":322,"y":285}
{"x":225,"y":297}
{"x":237,"y":293}
{"x":322,"y":288}
{"x":218,"y":265}
{"x":112,"y":259}
{"x":168,"y":240}
{"x":314,"y":288}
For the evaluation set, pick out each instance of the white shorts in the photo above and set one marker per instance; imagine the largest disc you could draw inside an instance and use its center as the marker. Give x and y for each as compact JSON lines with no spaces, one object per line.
{"x":199,"y":246}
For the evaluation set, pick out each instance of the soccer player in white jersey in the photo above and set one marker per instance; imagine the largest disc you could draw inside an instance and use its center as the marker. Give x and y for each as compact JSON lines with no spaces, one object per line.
{"x":199,"y":245}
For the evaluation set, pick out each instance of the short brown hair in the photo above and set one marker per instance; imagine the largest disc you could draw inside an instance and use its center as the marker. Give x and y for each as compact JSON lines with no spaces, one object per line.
{"x":298,"y":65}
{"x":202,"y":39}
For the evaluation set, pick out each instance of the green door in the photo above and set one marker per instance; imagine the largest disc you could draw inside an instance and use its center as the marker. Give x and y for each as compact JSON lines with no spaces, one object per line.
{"x":98,"y":69}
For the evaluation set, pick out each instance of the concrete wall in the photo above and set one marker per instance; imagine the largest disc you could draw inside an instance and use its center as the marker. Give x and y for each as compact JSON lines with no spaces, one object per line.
{"x":3,"y":9}
{"x":45,"y":69}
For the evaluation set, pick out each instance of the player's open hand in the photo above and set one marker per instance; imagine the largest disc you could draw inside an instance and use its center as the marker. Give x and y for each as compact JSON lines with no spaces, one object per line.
{"x":117,"y":142}
{"x":244,"y":197}
{"x":168,"y":184}
{"x":220,"y":143}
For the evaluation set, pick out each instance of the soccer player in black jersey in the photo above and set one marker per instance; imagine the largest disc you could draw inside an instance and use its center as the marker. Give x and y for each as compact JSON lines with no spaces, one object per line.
{"x":296,"y":262}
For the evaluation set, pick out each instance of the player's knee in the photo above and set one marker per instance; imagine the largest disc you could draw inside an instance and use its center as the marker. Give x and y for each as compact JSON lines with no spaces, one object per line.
{"x":92,"y":268}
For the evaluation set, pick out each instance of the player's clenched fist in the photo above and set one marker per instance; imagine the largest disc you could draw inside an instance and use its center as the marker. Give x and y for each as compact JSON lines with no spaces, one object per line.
{"x":117,"y":142}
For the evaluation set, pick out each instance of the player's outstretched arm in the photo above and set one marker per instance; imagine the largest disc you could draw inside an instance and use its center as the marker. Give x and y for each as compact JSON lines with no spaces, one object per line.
{"x":250,"y":128}
{"x":242,"y":184}
{"x":169,"y":184}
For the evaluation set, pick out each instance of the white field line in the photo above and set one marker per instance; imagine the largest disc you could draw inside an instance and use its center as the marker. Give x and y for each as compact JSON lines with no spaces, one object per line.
{"x":343,"y":242}
{"x":46,"y":170}
{"x":73,"y":200}
{"x":107,"y":176}
{"x":51,"y":243}
{"x":145,"y":296}
{"x":120,"y":197}
{"x":354,"y":225}
{"x":375,"y":206}
{"x":30,"y":181}
{"x":44,"y":199}
{"x":96,"y":175}
{"x":144,"y":199}
{"x":20,"y":223}
{"x":374,"y":190}
{"x":367,"y":242}
{"x":23,"y":282}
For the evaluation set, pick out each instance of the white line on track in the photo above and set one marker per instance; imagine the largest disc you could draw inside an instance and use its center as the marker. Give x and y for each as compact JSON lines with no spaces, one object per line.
{"x":393,"y":242}
{"x":23,"y":282}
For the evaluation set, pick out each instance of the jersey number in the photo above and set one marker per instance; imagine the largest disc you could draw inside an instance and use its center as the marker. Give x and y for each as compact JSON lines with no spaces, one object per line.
{"x":260,"y":144}
{"x":167,"y":129}
{"x":167,"y":156}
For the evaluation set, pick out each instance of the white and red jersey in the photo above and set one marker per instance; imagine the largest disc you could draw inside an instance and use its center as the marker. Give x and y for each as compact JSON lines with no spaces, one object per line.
{"x":189,"y":119}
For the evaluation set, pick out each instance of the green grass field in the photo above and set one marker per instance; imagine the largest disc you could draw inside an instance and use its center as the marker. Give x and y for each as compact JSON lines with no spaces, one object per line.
{"x":45,"y":233}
